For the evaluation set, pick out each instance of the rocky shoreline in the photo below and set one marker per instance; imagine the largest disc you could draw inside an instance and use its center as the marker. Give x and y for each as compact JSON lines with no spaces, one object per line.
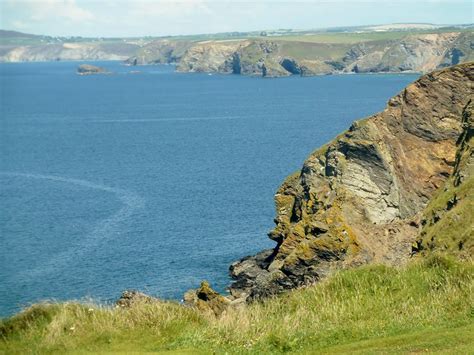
{"x":395,"y":184}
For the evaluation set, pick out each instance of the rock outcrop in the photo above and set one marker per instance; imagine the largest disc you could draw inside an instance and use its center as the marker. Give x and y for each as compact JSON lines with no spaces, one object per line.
{"x":361,"y":197}
{"x":206,"y":299}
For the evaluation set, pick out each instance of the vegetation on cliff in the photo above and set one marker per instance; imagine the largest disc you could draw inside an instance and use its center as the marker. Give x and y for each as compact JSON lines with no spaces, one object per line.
{"x":426,"y":306}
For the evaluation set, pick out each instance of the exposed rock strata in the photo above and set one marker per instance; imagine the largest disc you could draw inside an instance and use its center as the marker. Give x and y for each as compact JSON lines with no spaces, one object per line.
{"x":359,"y":199}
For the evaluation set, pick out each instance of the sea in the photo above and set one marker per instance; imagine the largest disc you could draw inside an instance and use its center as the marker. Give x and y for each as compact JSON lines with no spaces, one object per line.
{"x":149,"y":179}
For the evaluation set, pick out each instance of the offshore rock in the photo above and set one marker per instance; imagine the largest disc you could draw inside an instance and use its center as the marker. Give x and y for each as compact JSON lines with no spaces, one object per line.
{"x":87,"y":69}
{"x":360,"y":198}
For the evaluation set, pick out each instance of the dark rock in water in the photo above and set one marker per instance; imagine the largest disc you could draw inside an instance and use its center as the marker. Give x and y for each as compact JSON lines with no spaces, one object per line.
{"x":206,"y":299}
{"x":87,"y":69}
{"x":129,"y":297}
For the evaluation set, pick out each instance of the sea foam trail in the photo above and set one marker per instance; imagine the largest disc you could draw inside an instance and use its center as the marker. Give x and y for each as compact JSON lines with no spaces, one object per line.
{"x":105,"y":229}
{"x":168,"y":119}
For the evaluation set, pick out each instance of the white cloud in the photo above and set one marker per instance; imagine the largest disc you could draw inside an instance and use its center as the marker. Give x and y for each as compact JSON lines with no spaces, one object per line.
{"x":52,"y":10}
{"x":172,"y":17}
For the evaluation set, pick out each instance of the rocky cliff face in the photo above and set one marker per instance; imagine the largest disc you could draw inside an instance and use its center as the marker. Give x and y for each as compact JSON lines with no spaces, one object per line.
{"x":211,"y":56}
{"x":421,"y":53}
{"x":271,"y":58}
{"x":362,"y":197}
{"x":237,"y":57}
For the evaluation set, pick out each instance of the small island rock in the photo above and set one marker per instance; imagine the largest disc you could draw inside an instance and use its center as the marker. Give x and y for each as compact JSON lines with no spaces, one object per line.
{"x":87,"y":69}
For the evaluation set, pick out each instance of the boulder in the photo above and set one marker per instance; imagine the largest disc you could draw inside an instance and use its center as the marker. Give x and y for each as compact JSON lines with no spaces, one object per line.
{"x":206,"y":299}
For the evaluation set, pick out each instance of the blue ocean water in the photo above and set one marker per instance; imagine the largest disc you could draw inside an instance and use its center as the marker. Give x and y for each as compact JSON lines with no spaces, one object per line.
{"x":153,"y":180}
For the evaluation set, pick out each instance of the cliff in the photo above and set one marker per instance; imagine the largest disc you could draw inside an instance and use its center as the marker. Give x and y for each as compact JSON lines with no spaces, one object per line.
{"x":67,"y":52}
{"x":365,"y":196}
{"x":421,"y":53}
{"x":275,"y":57}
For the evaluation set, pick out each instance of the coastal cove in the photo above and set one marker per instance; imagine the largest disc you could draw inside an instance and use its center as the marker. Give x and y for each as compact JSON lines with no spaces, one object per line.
{"x":152,"y":180}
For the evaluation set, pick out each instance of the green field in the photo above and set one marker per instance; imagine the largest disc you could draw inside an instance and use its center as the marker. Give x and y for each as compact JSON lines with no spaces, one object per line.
{"x":298,"y":36}
{"x":425,"y":307}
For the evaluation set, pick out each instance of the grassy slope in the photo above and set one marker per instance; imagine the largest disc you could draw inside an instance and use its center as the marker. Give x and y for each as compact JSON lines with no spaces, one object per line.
{"x":425,"y":306}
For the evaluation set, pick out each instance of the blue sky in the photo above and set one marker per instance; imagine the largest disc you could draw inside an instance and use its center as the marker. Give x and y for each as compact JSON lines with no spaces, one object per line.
{"x":109,"y":18}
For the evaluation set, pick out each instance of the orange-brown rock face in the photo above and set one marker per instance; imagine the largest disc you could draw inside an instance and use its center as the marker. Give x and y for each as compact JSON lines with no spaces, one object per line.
{"x":359,"y":198}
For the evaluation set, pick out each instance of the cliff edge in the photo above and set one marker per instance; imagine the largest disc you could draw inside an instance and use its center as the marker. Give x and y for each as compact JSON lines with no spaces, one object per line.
{"x":366,"y":196}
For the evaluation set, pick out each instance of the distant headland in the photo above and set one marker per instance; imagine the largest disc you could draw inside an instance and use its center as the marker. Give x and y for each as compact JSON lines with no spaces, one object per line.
{"x":371,"y":49}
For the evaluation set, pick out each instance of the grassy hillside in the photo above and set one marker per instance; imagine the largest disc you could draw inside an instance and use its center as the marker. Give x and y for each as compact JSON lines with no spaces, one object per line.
{"x":426,"y":306}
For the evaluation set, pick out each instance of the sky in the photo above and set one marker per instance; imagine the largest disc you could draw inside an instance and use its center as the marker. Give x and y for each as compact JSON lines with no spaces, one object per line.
{"x":121,"y":18}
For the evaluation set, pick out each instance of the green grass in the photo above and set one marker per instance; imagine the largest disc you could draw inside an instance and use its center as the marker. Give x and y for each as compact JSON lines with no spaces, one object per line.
{"x":426,"y":306}
{"x":305,"y":50}
{"x":354,"y":37}
{"x":351,"y":38}
{"x":345,"y":38}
